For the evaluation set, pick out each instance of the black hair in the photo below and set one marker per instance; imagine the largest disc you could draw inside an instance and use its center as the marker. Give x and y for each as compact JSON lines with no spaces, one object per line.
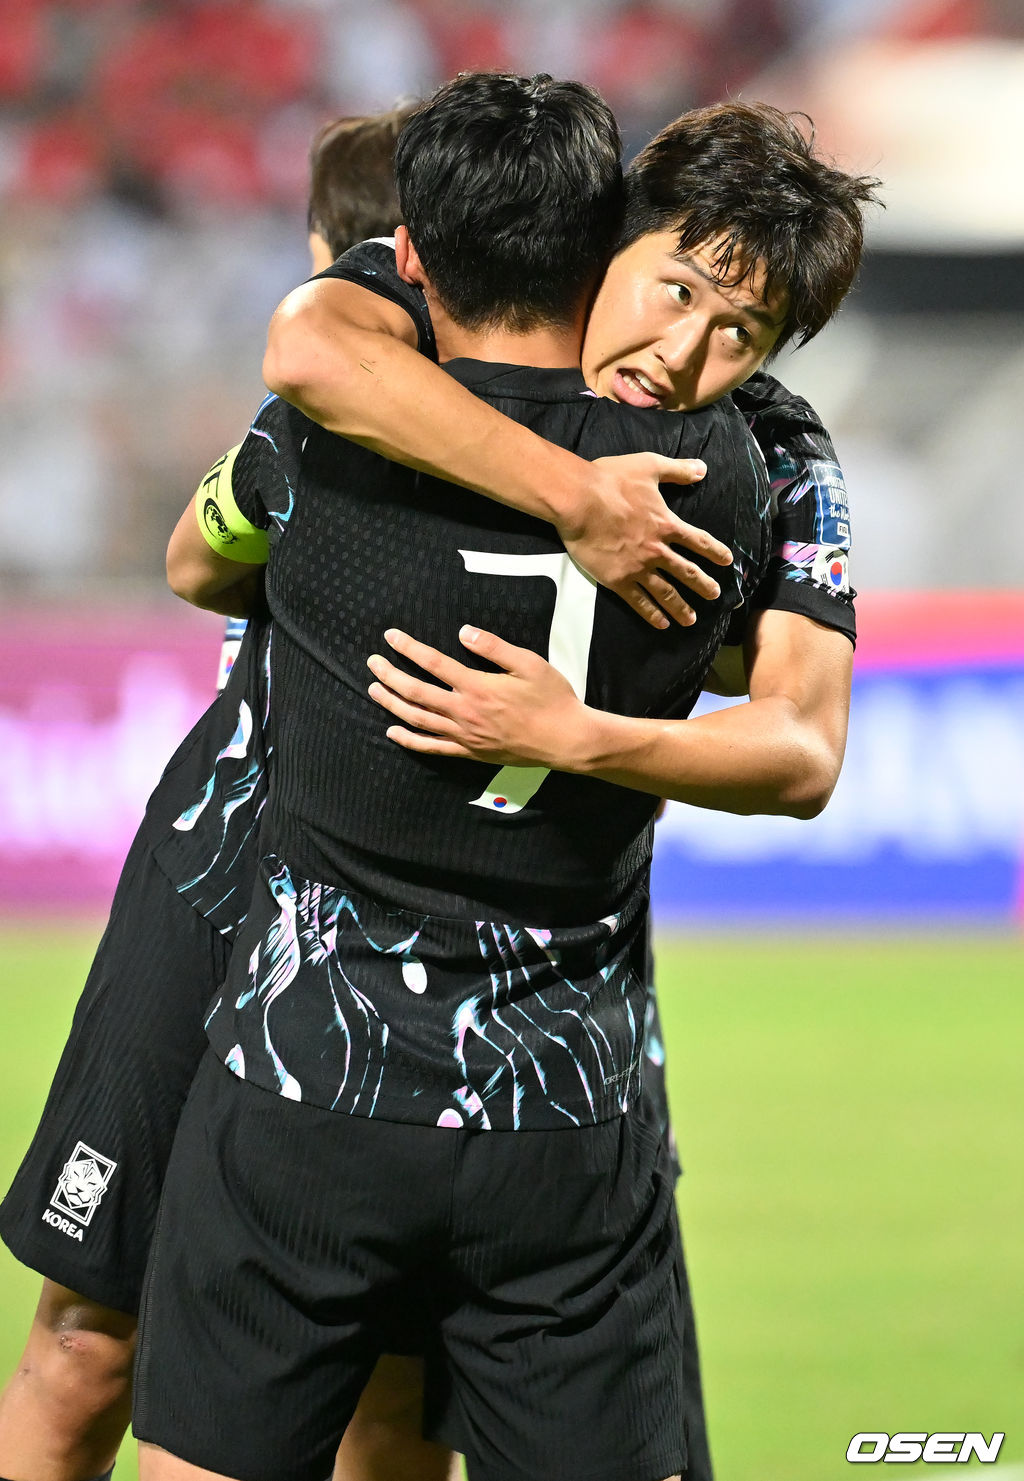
{"x":352,"y":193}
{"x":745,"y":178}
{"x":511,"y":188}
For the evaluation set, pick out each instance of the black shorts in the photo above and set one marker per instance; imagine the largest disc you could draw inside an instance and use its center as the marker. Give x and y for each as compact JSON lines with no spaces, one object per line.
{"x":549,"y":1262}
{"x":82,"y":1207}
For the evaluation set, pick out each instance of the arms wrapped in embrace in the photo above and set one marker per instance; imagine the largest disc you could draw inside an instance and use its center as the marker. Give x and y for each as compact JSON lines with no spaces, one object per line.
{"x":781,"y":753}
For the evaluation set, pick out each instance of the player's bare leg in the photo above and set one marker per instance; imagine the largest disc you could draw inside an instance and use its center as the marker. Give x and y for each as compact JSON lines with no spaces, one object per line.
{"x":384,"y":1441}
{"x":65,"y":1409}
{"x":159,"y":1465}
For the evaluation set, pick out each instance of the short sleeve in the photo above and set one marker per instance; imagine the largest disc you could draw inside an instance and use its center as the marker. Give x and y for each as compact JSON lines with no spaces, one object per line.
{"x":266,"y":468}
{"x":808,"y":569}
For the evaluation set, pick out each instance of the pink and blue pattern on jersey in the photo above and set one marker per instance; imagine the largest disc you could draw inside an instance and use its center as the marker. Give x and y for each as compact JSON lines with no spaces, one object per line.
{"x":819,"y":483}
{"x":211,"y":851}
{"x":341,"y":1001}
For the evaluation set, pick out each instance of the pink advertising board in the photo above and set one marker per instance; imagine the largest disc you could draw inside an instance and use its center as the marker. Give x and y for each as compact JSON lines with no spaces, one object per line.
{"x":927,"y":821}
{"x":92,"y":704}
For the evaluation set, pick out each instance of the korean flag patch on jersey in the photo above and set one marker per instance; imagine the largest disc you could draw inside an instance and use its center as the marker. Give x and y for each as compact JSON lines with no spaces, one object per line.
{"x":831,"y":570}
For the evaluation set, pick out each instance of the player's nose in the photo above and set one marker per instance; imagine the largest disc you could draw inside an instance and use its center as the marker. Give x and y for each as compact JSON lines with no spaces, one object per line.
{"x":683,"y":348}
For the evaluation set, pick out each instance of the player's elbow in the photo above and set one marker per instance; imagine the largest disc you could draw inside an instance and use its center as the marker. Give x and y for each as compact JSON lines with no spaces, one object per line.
{"x":806,"y":806}
{"x":189,"y":574}
{"x":813,"y":781}
{"x":196,"y":584}
{"x":187,"y":578}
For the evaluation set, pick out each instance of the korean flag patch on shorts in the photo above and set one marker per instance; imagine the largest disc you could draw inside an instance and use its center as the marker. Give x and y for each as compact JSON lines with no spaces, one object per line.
{"x":82,"y":1183}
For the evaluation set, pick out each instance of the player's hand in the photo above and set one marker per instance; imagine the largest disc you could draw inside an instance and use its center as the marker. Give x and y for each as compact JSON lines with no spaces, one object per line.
{"x":623,"y":534}
{"x":527,"y":715}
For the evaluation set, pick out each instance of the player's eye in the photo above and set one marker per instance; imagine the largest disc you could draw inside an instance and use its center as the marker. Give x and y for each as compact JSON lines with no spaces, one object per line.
{"x":740,"y":335}
{"x":680,"y":293}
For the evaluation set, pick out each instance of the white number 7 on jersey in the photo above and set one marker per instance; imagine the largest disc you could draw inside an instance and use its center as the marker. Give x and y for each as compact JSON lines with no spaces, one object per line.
{"x":572,"y":626}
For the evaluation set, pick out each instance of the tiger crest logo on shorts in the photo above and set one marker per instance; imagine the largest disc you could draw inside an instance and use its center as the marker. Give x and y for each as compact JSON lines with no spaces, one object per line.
{"x":82,"y":1183}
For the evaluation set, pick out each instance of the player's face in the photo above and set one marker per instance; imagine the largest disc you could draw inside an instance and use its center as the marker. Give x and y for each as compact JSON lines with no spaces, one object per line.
{"x":665,"y":331}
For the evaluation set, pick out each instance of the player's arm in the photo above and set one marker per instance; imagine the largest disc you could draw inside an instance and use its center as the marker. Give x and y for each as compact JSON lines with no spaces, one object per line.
{"x":216,"y":555}
{"x":781,"y":753}
{"x":346,"y":357}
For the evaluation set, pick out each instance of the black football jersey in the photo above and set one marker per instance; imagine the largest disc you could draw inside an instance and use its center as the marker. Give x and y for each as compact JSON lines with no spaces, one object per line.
{"x":360,"y":982}
{"x":444,"y":941}
{"x":360,"y":544}
{"x":809,"y":531}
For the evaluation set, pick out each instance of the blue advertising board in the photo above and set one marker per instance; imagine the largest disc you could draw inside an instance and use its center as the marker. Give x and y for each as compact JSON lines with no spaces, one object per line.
{"x":927,"y":822}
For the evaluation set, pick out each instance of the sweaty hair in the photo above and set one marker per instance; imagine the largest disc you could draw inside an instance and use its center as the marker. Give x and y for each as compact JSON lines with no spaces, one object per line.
{"x":745,"y":177}
{"x":511,"y":188}
{"x":352,"y":192}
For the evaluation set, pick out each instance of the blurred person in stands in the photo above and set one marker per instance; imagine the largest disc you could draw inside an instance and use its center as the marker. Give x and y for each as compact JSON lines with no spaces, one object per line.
{"x":131,"y":1056}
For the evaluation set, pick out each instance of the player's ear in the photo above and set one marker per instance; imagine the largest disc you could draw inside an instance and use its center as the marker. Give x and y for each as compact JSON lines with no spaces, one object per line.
{"x":407,"y":261}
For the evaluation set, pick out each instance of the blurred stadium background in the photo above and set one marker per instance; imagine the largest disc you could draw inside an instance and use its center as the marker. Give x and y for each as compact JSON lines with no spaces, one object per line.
{"x":843,"y":997}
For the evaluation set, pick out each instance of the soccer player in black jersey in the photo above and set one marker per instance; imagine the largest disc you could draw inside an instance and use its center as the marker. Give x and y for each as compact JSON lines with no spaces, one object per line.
{"x":378,"y":974}
{"x":135,"y":1039}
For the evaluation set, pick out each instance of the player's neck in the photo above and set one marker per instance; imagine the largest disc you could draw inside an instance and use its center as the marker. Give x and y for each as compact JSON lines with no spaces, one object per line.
{"x":554,"y":346}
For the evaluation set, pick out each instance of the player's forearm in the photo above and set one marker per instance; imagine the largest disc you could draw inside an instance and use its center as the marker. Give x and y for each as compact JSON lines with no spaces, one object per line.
{"x":760,"y":757}
{"x":375,"y":389}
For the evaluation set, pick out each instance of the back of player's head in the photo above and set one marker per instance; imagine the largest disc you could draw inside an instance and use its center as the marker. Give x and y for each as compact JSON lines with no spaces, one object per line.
{"x":352,"y":192}
{"x":511,"y":188}
{"x":745,"y":177}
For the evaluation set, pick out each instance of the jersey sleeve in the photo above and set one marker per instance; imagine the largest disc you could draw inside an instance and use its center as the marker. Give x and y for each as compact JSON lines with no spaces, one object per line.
{"x":808,"y":570}
{"x":266,"y":466}
{"x":371,"y":265}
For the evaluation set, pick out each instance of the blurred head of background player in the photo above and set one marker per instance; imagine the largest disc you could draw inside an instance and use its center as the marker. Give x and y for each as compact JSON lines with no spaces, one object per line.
{"x":511,"y":190}
{"x":352,"y":193}
{"x":736,"y":238}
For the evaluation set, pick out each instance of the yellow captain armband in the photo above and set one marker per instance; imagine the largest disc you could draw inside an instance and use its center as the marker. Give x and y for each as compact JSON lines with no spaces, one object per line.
{"x":225,"y":528}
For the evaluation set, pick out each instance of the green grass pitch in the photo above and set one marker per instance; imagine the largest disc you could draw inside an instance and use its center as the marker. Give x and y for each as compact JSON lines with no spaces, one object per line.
{"x":849,"y":1111}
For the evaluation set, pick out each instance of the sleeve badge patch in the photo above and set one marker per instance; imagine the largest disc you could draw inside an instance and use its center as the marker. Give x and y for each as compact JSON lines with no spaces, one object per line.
{"x":831,"y":569}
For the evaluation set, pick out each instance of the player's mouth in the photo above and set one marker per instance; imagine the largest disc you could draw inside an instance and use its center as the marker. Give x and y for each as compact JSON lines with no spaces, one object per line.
{"x":637,"y":389}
